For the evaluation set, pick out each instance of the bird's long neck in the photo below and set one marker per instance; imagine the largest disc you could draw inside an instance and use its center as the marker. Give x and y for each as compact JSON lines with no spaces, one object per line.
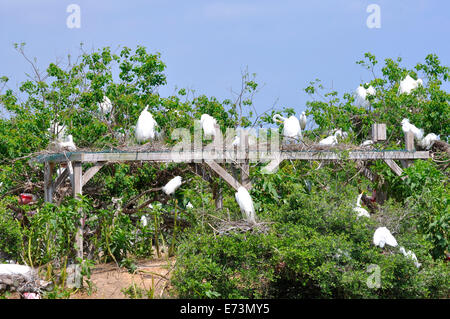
{"x":278,"y":117}
{"x":358,"y":201}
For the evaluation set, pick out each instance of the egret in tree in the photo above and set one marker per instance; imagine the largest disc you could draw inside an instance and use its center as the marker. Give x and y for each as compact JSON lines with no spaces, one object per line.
{"x":383,"y":236}
{"x":360,"y":210}
{"x":409,"y":254}
{"x":408,"y":84}
{"x":332,"y":139}
{"x":208,"y":125}
{"x":246,"y":204}
{"x":366,"y":143}
{"x":361,"y":95}
{"x":67,"y":144}
{"x":408,"y":127}
{"x":105,"y":105}
{"x":291,"y":126}
{"x":303,"y":121}
{"x":172,"y":185}
{"x":145,"y":126}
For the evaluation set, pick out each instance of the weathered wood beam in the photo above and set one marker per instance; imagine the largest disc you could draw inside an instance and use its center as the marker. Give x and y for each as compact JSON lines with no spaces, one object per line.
{"x":48,"y":183}
{"x":378,"y":132}
{"x":91,"y":172}
{"x":245,"y":167}
{"x":395,"y":168}
{"x":410,"y":147}
{"x":224,"y":174}
{"x":78,"y":190}
{"x":61,"y":178}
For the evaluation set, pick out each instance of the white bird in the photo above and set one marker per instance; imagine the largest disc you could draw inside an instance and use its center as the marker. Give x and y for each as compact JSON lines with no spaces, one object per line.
{"x":291,"y":126}
{"x":361,"y":95}
{"x":383,"y":236}
{"x":145,"y":126}
{"x":245,"y":204}
{"x":411,"y":255}
{"x":14,"y":269}
{"x":189,"y":205}
{"x":105,"y":105}
{"x":366,"y":143}
{"x":407,"y":126}
{"x":360,"y":210}
{"x":67,"y":144}
{"x":330,"y":140}
{"x":428,"y":141}
{"x":144,"y":221}
{"x":408,"y":84}
{"x":208,"y":125}
{"x":303,"y":121}
{"x":57,"y":130}
{"x":172,"y":185}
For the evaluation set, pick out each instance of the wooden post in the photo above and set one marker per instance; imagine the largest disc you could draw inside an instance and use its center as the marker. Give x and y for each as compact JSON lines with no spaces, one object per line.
{"x":48,"y":183}
{"x":78,"y":190}
{"x":378,"y":132}
{"x":245,"y":166}
{"x":409,"y":145}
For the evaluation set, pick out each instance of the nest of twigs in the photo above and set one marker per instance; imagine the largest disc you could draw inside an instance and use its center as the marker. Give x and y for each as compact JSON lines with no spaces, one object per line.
{"x":240,"y":227}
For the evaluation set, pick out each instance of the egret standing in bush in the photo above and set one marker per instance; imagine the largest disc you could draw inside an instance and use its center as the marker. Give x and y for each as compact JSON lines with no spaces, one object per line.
{"x":383,"y":236}
{"x":303,"y":121}
{"x":208,"y":125}
{"x":361,"y":211}
{"x":145,"y":126}
{"x":246,"y":204}
{"x":172,"y":185}
{"x":408,"y":84}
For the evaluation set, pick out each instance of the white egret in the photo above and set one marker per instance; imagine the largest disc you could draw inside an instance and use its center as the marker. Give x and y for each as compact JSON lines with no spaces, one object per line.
{"x":67,"y":144}
{"x":428,"y":141}
{"x":408,"y":84}
{"x":59,"y":131}
{"x":332,"y":139}
{"x":145,"y":126}
{"x":366,"y":143}
{"x":208,"y":125}
{"x":189,"y":205}
{"x":411,"y":255}
{"x":144,"y":221}
{"x":360,"y":210}
{"x":383,"y":236}
{"x":303,"y":121}
{"x":361,"y":95}
{"x":407,"y":126}
{"x":172,"y":185}
{"x":246,"y":204}
{"x":105,"y":105}
{"x":291,"y":126}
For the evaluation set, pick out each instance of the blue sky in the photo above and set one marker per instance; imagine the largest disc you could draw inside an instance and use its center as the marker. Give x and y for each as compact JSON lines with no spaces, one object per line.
{"x":206,"y":44}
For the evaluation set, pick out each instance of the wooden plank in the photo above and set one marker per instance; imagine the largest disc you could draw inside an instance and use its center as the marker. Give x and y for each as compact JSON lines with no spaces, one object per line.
{"x":78,"y":190}
{"x":395,"y":168}
{"x":245,"y":167}
{"x":91,"y":172}
{"x":224,"y":174}
{"x":48,"y":185}
{"x":61,"y":178}
{"x":409,"y":145}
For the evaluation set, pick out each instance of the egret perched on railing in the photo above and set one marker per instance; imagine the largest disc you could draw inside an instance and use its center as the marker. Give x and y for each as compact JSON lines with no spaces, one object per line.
{"x":67,"y":144}
{"x":408,"y":127}
{"x":291,"y":126}
{"x":408,"y":84}
{"x":246,"y":204}
{"x":383,"y":236}
{"x":428,"y":141}
{"x":145,"y":126}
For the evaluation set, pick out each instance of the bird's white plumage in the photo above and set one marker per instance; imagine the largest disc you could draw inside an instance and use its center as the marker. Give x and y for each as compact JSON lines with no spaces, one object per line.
{"x":330,"y":140}
{"x":105,"y":105}
{"x":145,"y":126}
{"x":144,"y":221}
{"x":67,"y":144}
{"x":408,"y":84}
{"x":245,"y":202}
{"x":411,"y":255}
{"x":407,"y":126}
{"x":189,"y":205}
{"x":366,"y":143}
{"x":57,"y":130}
{"x":361,"y":211}
{"x":14,"y":269}
{"x":208,"y":125}
{"x":303,"y":121}
{"x":361,"y":95}
{"x":428,"y":141}
{"x":172,"y":185}
{"x":383,"y":236}
{"x":291,"y":126}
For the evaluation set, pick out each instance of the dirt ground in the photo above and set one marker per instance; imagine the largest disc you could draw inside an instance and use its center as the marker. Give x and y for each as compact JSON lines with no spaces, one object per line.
{"x":151,"y":279}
